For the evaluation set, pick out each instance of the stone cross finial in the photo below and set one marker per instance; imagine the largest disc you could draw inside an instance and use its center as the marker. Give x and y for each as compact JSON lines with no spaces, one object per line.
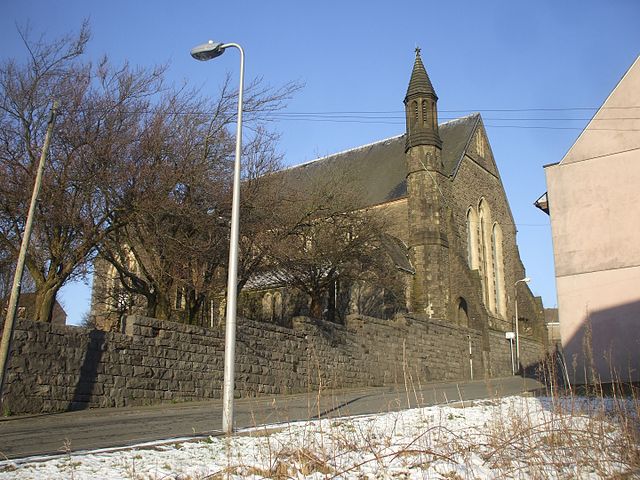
{"x":418,"y":49}
{"x":429,"y":310}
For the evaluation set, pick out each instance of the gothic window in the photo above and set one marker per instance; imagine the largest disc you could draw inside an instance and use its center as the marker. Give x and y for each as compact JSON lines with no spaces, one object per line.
{"x":222,"y":309}
{"x":277,"y":305}
{"x":415,"y":112}
{"x":498,"y":271}
{"x":486,"y":262}
{"x":463,"y":312}
{"x":483,"y":261}
{"x":480,"y":145}
{"x":425,"y":116}
{"x":117,"y":298}
{"x":434,"y":116}
{"x":267,"y":306}
{"x":472,"y":239}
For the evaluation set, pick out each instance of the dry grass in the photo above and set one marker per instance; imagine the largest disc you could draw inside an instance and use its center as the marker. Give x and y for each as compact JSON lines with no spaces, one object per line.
{"x":558,"y":436}
{"x":516,"y":443}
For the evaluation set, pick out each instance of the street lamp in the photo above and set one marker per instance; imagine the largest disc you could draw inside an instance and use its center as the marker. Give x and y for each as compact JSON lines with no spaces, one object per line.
{"x":515,"y":286}
{"x":208,"y":51}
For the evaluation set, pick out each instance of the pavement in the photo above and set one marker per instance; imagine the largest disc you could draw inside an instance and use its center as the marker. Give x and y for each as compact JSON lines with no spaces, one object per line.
{"x":62,"y":433}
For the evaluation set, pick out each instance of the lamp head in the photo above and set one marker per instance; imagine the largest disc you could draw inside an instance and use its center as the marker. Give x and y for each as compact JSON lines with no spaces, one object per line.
{"x":207,"y":51}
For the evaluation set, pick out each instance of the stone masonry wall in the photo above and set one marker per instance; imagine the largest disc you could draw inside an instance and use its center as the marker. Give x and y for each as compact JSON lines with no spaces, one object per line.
{"x":531,"y":352}
{"x":58,"y":368}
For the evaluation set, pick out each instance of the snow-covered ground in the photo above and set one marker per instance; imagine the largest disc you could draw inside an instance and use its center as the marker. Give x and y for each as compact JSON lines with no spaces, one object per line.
{"x":511,"y":438}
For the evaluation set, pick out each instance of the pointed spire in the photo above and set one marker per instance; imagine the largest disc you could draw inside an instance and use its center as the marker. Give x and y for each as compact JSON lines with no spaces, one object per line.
{"x":421,"y":108}
{"x":420,"y":84}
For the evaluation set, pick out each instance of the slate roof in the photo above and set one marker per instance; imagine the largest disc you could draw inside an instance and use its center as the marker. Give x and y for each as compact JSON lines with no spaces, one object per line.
{"x":399,"y":252}
{"x":380,"y":167}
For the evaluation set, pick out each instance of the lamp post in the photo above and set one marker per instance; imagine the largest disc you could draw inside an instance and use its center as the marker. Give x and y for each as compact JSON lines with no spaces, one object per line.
{"x":208,"y":51}
{"x":515,"y":286}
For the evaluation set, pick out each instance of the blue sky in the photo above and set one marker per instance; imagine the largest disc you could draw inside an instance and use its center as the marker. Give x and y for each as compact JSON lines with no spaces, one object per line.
{"x":506,"y":59}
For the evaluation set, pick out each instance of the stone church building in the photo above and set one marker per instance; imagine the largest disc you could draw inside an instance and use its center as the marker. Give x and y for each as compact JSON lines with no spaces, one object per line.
{"x":452,"y":234}
{"x":449,"y":241}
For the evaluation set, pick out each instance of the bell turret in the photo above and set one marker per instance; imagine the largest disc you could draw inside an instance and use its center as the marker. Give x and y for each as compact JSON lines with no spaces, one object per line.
{"x":421,"y":108}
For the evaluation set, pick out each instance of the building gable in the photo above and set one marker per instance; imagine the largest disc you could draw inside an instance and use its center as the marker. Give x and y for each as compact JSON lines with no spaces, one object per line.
{"x":478,"y":150}
{"x":614,"y":128}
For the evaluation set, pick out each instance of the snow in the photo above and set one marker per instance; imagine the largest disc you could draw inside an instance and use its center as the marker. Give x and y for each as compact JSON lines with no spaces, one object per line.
{"x":511,"y":438}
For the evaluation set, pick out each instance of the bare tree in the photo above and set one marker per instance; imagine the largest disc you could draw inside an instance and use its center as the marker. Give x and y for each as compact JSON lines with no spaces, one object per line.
{"x":325,"y":238}
{"x":102,"y":115}
{"x":6,"y":274}
{"x":177,"y":229}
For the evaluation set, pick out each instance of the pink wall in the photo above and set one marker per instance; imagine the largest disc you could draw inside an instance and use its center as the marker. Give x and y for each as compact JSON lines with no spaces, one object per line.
{"x":594,"y":202}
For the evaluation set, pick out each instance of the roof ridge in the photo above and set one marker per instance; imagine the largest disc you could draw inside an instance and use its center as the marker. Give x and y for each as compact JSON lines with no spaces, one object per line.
{"x":459,"y":119}
{"x":371,"y":144}
{"x":353,"y":149}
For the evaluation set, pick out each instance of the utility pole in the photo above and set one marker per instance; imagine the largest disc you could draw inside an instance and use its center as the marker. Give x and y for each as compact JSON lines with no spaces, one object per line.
{"x":7,"y":333}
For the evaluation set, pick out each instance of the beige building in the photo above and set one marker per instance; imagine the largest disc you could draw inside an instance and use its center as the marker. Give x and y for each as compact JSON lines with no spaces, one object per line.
{"x":594,"y":202}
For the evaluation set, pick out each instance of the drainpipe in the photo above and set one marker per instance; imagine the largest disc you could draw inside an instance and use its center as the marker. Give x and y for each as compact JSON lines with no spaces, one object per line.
{"x":470,"y":356}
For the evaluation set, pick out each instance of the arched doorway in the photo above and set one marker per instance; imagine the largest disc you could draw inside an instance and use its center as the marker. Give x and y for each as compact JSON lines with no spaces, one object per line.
{"x":462,"y":317}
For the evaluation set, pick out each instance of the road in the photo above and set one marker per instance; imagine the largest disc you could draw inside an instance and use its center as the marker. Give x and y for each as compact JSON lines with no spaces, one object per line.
{"x":47,"y":434}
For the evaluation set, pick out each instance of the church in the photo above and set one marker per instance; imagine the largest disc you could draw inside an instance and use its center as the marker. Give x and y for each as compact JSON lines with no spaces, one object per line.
{"x":452,"y":236}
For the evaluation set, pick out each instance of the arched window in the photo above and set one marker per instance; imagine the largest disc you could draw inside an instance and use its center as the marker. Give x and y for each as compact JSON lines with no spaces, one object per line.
{"x":486,"y":261}
{"x":267,"y":306}
{"x":425,"y":115}
{"x":463,"y":313}
{"x":277,"y":306}
{"x":118,"y":298}
{"x":472,"y":238}
{"x":434,"y":116}
{"x":498,"y":270}
{"x":480,"y":146}
{"x":222,"y":310}
{"x":415,"y":112}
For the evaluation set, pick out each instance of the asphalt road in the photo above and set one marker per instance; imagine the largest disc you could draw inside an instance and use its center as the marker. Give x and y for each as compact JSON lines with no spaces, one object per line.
{"x":47,"y":434}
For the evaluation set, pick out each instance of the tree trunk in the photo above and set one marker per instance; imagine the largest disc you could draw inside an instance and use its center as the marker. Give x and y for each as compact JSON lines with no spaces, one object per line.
{"x":44,"y":303}
{"x":193,"y":306}
{"x":163,"y":308}
{"x":152,"y":305}
{"x":315,"y":309}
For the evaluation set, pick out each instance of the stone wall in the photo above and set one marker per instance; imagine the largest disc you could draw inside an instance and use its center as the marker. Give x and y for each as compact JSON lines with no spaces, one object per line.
{"x":58,"y":368}
{"x":531,"y":352}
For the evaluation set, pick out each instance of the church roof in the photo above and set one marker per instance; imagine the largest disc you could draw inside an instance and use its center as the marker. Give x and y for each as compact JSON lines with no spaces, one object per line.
{"x":379,"y":168}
